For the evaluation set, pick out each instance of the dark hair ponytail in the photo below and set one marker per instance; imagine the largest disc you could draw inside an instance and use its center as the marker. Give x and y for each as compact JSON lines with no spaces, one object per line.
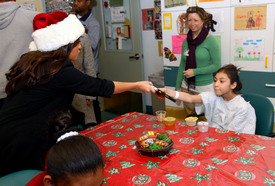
{"x":233,"y":74}
{"x":74,"y":155}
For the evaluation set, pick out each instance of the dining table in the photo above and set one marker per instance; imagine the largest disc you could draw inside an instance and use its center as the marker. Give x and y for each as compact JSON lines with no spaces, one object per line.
{"x":216,"y":157}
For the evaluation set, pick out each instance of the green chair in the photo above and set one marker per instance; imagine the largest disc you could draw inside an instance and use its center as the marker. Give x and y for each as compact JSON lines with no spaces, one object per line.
{"x":264,"y":113}
{"x":19,"y":178}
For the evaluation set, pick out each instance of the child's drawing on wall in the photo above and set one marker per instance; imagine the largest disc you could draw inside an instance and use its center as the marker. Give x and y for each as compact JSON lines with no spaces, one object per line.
{"x":249,"y":50}
{"x":182,"y":27}
{"x":259,"y":18}
{"x":249,"y":18}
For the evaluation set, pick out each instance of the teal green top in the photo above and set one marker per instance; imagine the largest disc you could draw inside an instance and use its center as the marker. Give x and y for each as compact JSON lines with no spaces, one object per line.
{"x":208,"y":58}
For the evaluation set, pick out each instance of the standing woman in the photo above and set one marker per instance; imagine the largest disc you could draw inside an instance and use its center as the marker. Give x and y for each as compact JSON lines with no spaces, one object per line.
{"x":42,"y":83}
{"x":200,"y":57}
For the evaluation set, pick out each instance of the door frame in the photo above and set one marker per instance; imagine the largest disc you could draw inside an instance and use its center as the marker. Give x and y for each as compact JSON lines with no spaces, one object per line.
{"x":136,"y":41}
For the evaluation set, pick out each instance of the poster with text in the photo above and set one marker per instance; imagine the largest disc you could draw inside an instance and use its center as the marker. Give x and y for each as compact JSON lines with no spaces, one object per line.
{"x":250,"y":18}
{"x":117,"y":14}
{"x":177,"y":43}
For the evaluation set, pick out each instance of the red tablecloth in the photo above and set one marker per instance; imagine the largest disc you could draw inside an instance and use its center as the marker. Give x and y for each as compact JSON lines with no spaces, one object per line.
{"x":218,"y":157}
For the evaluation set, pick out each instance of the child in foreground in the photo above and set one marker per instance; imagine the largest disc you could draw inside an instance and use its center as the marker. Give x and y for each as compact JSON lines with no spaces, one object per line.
{"x":74,"y":160}
{"x":223,"y":108}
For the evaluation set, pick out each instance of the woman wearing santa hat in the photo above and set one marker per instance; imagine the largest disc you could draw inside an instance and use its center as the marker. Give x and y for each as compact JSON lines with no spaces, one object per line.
{"x":43,"y":82}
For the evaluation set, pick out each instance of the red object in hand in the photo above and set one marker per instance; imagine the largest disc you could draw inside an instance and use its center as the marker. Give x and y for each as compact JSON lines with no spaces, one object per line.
{"x":106,"y":4}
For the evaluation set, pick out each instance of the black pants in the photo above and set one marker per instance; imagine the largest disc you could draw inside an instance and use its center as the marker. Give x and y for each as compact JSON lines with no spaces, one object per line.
{"x":97,"y":111}
{"x":79,"y":117}
{"x":2,"y":102}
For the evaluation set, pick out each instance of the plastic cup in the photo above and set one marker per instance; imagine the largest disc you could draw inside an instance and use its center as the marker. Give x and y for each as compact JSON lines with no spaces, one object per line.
{"x":203,"y":126}
{"x":169,"y":121}
{"x":160,"y":115}
{"x":191,"y":121}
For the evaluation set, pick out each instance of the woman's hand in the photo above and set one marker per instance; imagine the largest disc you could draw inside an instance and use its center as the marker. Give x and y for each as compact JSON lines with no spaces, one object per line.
{"x":89,"y":101}
{"x":145,"y":86}
{"x":188,"y":73}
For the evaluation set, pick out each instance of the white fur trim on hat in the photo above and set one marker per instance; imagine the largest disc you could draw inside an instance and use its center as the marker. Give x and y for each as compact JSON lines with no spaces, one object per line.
{"x":57,"y":35}
{"x":66,"y":135}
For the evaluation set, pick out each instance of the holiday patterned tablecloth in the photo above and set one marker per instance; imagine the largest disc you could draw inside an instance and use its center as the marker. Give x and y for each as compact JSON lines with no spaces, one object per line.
{"x":217,"y":157}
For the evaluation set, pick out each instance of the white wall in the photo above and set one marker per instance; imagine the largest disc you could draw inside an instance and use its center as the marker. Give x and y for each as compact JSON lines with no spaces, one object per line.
{"x":153,"y":63}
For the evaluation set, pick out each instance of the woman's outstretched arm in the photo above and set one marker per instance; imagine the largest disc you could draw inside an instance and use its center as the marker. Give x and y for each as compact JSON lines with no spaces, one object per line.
{"x":144,"y":86}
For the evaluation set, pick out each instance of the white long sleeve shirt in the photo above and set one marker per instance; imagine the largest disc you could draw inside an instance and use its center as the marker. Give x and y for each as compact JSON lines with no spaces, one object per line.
{"x":236,"y":114}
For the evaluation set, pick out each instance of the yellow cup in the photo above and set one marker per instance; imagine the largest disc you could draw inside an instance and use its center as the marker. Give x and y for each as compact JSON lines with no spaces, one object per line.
{"x":191,"y":121}
{"x":169,"y":121}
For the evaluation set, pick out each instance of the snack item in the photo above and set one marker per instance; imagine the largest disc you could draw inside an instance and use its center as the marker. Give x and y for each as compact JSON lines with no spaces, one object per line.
{"x":153,"y":140}
{"x":153,"y":144}
{"x":203,"y":126}
{"x":169,"y":121}
{"x":160,"y":115}
{"x":191,"y":121}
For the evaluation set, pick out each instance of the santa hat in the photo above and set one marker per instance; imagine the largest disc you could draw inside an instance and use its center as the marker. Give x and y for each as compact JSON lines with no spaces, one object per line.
{"x":54,"y":30}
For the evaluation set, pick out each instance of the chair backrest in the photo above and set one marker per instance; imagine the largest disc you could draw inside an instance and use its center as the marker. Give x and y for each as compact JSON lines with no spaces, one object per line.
{"x":19,"y":178}
{"x":264,"y":113}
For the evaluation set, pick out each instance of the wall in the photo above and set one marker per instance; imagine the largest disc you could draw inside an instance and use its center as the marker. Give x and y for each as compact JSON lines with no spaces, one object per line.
{"x":153,"y":63}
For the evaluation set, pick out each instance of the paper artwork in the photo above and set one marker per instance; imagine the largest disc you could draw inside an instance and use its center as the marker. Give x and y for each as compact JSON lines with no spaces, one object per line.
{"x":115,"y":3}
{"x":36,"y":5}
{"x":169,"y":55}
{"x":148,"y":19}
{"x":117,"y":14}
{"x":177,"y":43}
{"x":250,"y":18}
{"x":160,"y":46}
{"x":158,"y":21}
{"x":249,"y":50}
{"x":203,"y":1}
{"x":182,"y":27}
{"x":167,"y":20}
{"x":173,"y":3}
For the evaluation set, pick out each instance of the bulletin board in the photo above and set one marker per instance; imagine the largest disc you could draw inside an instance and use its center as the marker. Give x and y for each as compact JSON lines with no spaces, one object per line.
{"x":117,"y":24}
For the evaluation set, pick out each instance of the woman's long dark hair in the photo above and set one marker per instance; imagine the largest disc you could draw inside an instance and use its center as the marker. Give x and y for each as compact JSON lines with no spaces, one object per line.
{"x":36,"y":68}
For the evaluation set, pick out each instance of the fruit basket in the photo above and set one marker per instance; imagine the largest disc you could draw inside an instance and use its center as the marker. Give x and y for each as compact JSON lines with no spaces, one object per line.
{"x":153,"y":144}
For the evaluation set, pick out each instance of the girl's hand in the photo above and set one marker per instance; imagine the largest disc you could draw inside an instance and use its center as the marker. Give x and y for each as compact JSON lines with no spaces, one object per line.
{"x":188,"y":73}
{"x":161,"y":96}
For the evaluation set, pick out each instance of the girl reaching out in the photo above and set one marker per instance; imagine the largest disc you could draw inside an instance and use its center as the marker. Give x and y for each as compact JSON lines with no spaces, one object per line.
{"x":223,"y":108}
